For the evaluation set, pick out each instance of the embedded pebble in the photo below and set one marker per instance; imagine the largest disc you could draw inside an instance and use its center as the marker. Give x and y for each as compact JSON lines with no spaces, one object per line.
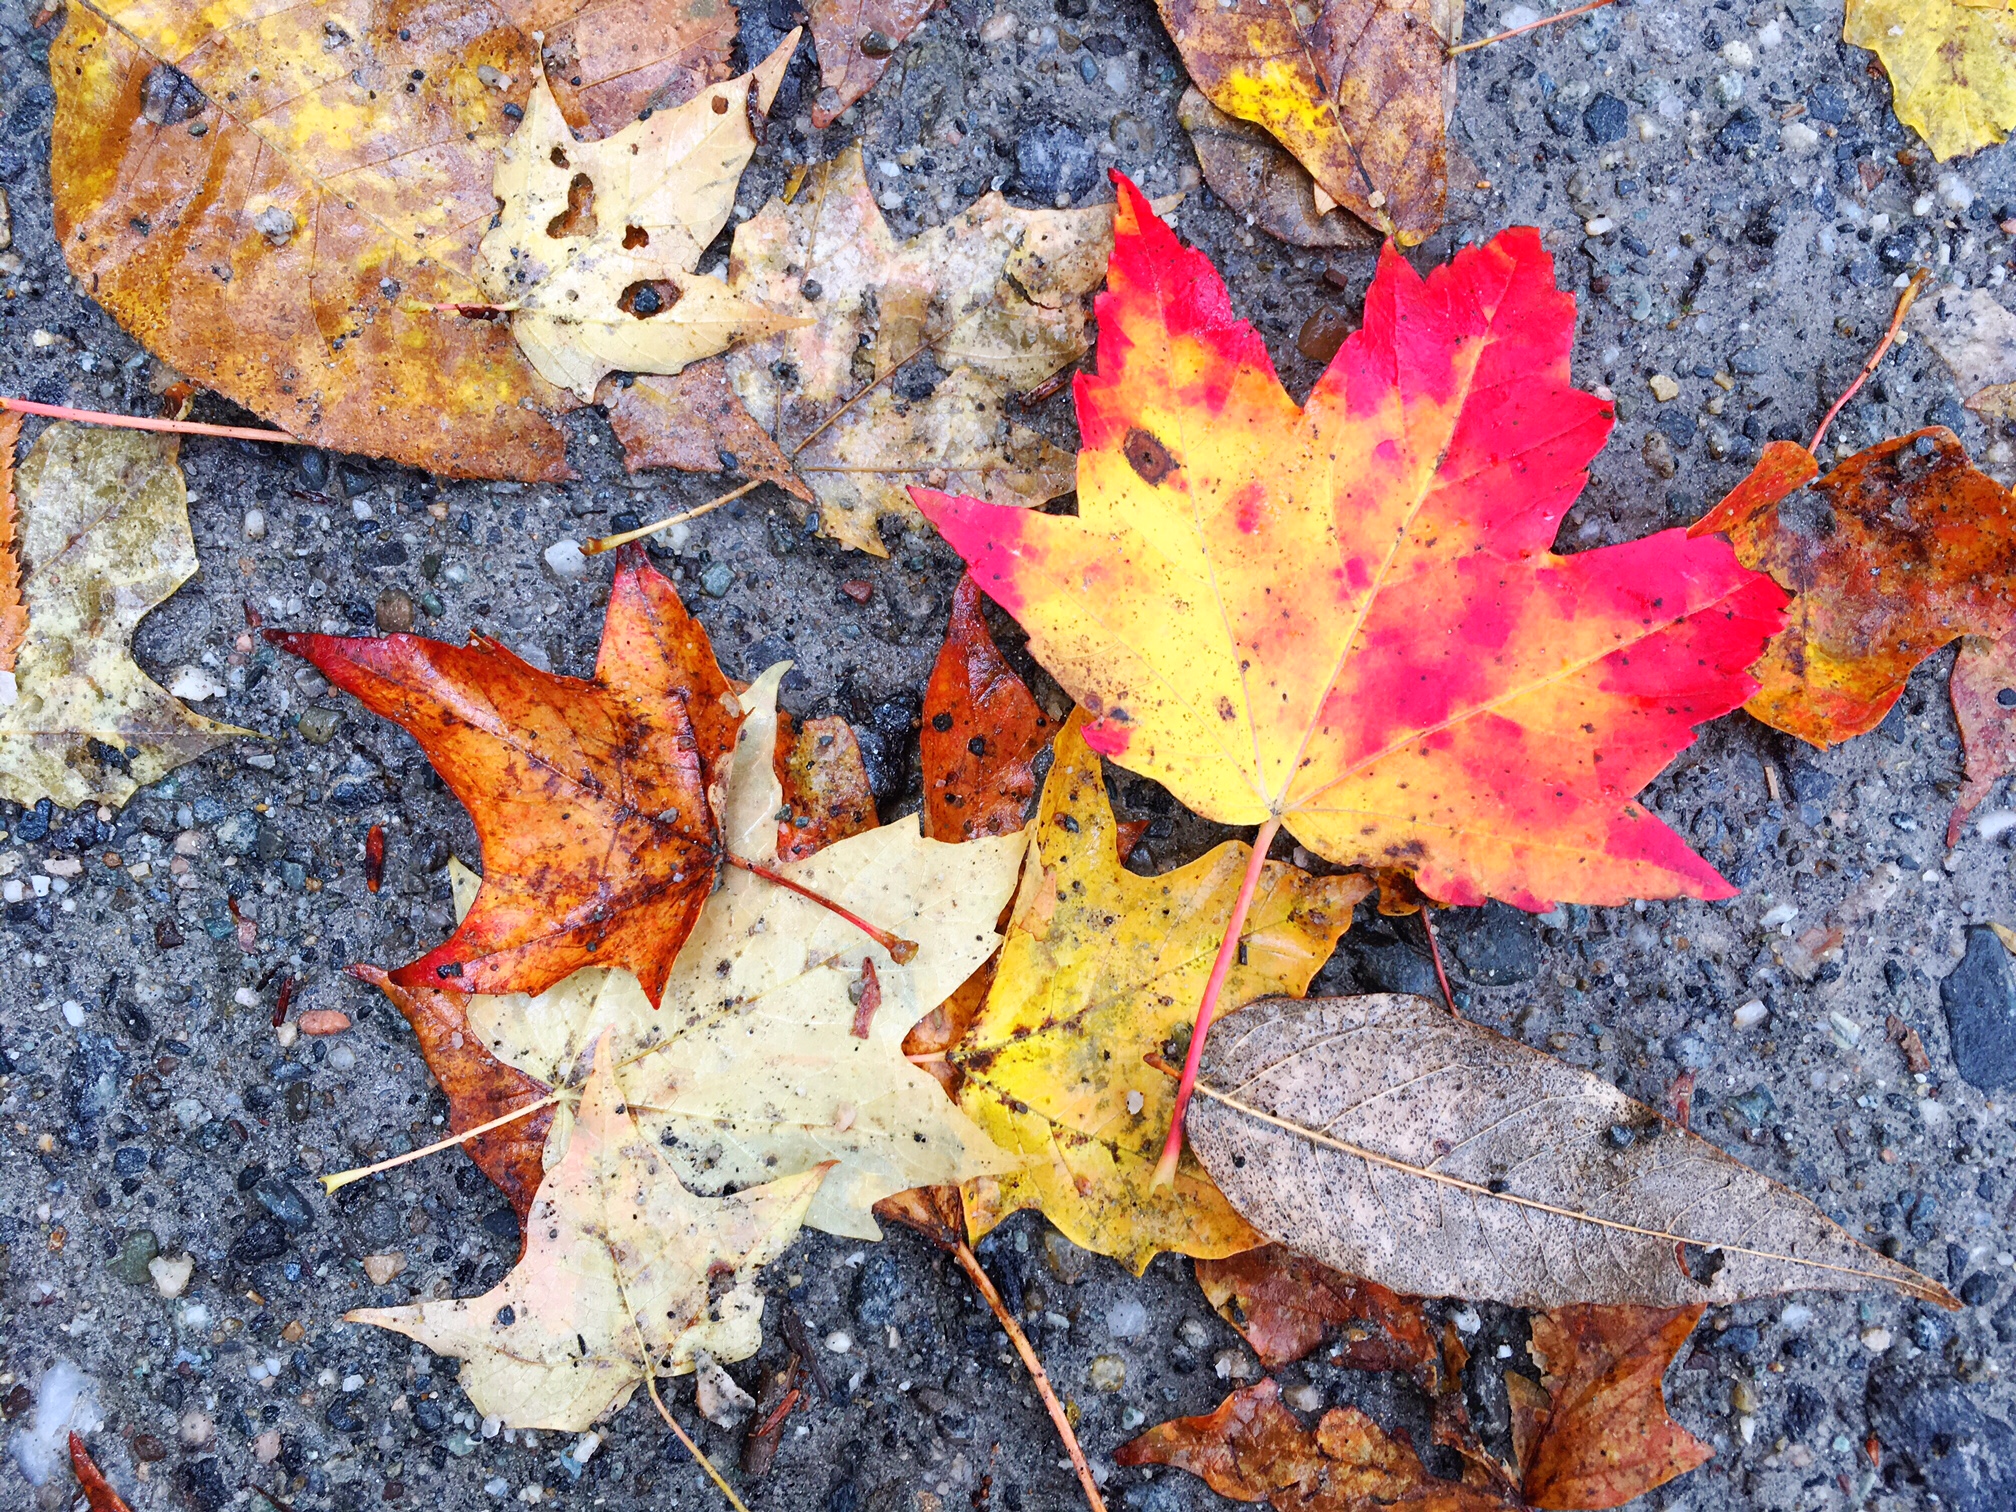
{"x":382,"y":1268}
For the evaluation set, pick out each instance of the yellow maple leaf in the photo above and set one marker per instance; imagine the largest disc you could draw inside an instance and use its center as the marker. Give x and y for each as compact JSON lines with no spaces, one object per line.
{"x":1952,"y":66}
{"x":1100,"y":966}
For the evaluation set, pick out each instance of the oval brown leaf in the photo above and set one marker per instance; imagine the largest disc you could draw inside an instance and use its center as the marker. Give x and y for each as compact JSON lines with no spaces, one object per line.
{"x":1427,"y":1153}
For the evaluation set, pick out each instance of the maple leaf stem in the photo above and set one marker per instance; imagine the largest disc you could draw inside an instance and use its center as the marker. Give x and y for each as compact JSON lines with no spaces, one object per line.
{"x":1228,"y":952}
{"x":902,"y":951}
{"x":141,"y":422}
{"x":334,"y":1184}
{"x":853,"y":399}
{"x":1435,"y":954}
{"x":1520,"y":31}
{"x":651,"y":1383}
{"x":1904,"y":302}
{"x":610,"y":543}
{"x":985,"y":1286}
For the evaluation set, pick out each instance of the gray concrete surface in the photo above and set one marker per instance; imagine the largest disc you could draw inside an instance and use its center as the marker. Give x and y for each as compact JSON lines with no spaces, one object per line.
{"x":1756,"y":224}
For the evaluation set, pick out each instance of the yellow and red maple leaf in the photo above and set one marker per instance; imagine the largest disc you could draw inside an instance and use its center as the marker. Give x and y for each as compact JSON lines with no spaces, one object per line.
{"x":595,"y":800}
{"x":1343,"y":617}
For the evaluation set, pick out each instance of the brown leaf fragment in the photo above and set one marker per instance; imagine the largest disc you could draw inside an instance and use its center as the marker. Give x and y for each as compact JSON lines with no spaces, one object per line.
{"x":13,"y":613}
{"x":1254,"y":1449}
{"x":1256,"y":176}
{"x":608,"y":61}
{"x":478,"y":1086}
{"x":1607,"y":1437}
{"x":935,"y":1212}
{"x":1983,"y":690}
{"x":1906,"y":1039}
{"x":1286,"y":1305}
{"x":855,"y":40}
{"x":825,"y":783}
{"x":98,"y":1492}
{"x":687,"y":421}
{"x":779,"y":1393}
{"x":982,"y":732}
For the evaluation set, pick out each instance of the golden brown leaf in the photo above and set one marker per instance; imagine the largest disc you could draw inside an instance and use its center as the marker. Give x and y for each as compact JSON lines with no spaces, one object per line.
{"x":825,"y":785}
{"x":693,"y":421}
{"x":1286,"y":1305}
{"x":1983,"y":690}
{"x":13,"y":613}
{"x":982,"y":732}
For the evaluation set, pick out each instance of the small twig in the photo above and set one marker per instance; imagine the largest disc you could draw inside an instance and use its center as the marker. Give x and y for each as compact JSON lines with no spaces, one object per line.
{"x":1228,"y":951}
{"x":1520,"y":31}
{"x":610,"y":543}
{"x":1435,"y":954}
{"x":1904,"y":303}
{"x":336,"y":1183}
{"x":851,"y":400}
{"x":985,"y":1285}
{"x":137,"y":422}
{"x":902,"y":951}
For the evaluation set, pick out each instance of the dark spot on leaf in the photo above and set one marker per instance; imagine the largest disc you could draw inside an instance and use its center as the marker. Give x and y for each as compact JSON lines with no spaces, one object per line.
{"x":1147,"y":456}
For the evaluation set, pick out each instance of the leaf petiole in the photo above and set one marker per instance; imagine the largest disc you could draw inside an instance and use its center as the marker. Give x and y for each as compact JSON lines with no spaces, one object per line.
{"x":1904,"y":302}
{"x":1228,"y":951}
{"x":141,"y":422}
{"x":334,"y":1184}
{"x":900,"y":950}
{"x":1520,"y":31}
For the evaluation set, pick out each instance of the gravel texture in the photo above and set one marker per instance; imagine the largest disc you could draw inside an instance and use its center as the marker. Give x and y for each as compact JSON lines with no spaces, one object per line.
{"x":1716,"y":236}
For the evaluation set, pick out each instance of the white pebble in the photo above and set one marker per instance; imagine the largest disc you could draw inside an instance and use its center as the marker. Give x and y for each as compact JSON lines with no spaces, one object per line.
{"x":342,"y":1058}
{"x":1769,"y":36}
{"x":1847,"y":1033}
{"x":566,"y":559}
{"x":195,"y":684}
{"x":1737,"y":54}
{"x":1126,"y":1319}
{"x":73,"y":1013}
{"x":1468,"y":1321}
{"x":171,"y":1273}
{"x":839,"y":1341}
{"x":360,"y":508}
{"x":1796,"y":1316}
{"x":245,"y":997}
{"x":1135,"y":1102}
{"x":1000,"y":28}
{"x":1303,"y":1398}
{"x":1799,"y":137}
{"x":1518,"y":16}
{"x":1954,"y":192}
{"x":1751,"y":1014}
{"x":1875,"y":1340}
{"x":255,"y":524}
{"x":1994,"y":824}
{"x":1729,"y":88}
{"x":1784,"y":913}
{"x":1600,"y":225}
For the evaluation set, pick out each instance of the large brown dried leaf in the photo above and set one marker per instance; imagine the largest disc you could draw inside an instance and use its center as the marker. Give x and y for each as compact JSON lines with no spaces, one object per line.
{"x":855,"y":39}
{"x":1358,"y":90}
{"x":1256,"y":176}
{"x":1286,"y":1305}
{"x":1391,"y":1140}
{"x":267,"y":196}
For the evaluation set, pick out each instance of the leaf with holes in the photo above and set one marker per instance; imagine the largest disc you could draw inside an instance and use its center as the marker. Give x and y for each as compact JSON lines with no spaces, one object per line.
{"x":1389,"y":1139}
{"x":595,"y":243}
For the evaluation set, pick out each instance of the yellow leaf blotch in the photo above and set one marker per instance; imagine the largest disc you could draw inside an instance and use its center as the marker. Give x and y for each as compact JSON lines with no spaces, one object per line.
{"x":1100,"y":967}
{"x":1952,"y":66}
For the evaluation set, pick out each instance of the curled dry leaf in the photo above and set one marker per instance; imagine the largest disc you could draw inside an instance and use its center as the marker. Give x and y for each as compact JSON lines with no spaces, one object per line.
{"x":1343,"y":618}
{"x":269,"y":198}
{"x":1598,"y":1434}
{"x":1360,"y":91}
{"x":1949,"y":65}
{"x":595,"y":243}
{"x":594,"y":800}
{"x":98,"y":1492}
{"x":1983,"y":690}
{"x":1386,"y":1138}
{"x":1101,"y":966}
{"x":1256,"y":176}
{"x":1897,"y":551}
{"x":101,"y":527}
{"x":1286,"y":1305}
{"x":1254,"y":1449}
{"x":824,"y":783}
{"x":751,"y":1067}
{"x":624,"y":1272}
{"x":855,"y":40}
{"x":982,"y":732}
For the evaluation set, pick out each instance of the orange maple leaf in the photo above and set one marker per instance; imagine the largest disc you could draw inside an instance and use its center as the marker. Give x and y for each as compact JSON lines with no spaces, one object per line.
{"x":1343,"y":618}
{"x":595,"y":800}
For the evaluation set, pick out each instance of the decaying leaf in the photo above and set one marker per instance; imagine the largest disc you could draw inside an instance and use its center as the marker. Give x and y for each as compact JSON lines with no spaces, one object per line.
{"x":1983,"y":690}
{"x":1286,"y":1305}
{"x":98,"y":1492}
{"x":1099,"y":968}
{"x":826,"y":795}
{"x":1344,"y":618}
{"x":594,"y":244}
{"x":269,"y":198}
{"x":1603,"y":1435}
{"x":1256,"y":176}
{"x":624,"y":1271}
{"x":1254,"y":1449}
{"x":13,"y":613}
{"x":915,"y":347}
{"x":1897,"y":551}
{"x":1360,"y":91}
{"x":1952,"y":66}
{"x":594,"y":800}
{"x":752,"y":1067}
{"x":981,"y":735}
{"x":103,"y":537}
{"x":695,"y":422}
{"x":1387,"y":1138}
{"x":854,"y":40}
{"x":1976,"y":339}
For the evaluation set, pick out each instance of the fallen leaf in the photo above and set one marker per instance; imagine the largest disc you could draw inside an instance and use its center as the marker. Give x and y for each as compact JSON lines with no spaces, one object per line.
{"x":981,"y":735}
{"x":98,"y":1492}
{"x":1983,"y":690}
{"x":102,"y":538}
{"x":1360,"y":91}
{"x":694,"y":422}
{"x":1254,"y":1449}
{"x":1975,"y":337}
{"x":267,"y":198}
{"x":1951,"y":79}
{"x":594,"y":800}
{"x":13,"y":613}
{"x":594,"y":244}
{"x":751,"y":1068}
{"x":915,"y":347}
{"x":824,"y":785}
{"x":1344,"y":618}
{"x":1257,"y":177}
{"x":1606,"y":1436}
{"x":1895,"y":552}
{"x":624,"y":1271}
{"x":854,"y":40}
{"x":1387,"y":1138}
{"x":1101,"y":966}
{"x":1286,"y":1306}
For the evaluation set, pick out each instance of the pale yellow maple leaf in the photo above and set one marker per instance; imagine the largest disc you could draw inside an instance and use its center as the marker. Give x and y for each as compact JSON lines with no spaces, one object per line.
{"x":1952,"y":66}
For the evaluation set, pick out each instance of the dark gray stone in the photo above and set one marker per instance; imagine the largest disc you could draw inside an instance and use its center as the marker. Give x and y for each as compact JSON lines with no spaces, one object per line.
{"x":1981,"y":1012}
{"x":1053,"y":161}
{"x":1958,"y":1452}
{"x":91,"y":1078}
{"x":877,"y":1289}
{"x":1608,"y":119}
{"x":282,"y":1201}
{"x":1494,"y":945}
